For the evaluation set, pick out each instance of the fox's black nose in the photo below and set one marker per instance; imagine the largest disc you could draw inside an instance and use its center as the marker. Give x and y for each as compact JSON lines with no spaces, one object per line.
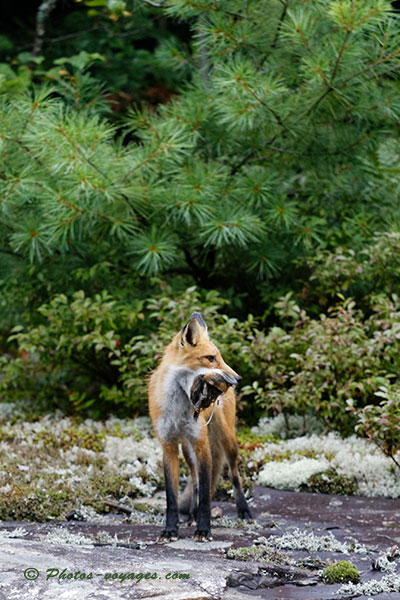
{"x":238,"y":378}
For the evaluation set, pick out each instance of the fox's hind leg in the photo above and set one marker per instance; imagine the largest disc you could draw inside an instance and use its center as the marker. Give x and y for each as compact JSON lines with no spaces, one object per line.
{"x":171,"y":475}
{"x":231,"y":452}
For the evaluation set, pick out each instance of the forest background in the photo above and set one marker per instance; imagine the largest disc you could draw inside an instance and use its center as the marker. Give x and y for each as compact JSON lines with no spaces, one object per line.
{"x":237,"y":157}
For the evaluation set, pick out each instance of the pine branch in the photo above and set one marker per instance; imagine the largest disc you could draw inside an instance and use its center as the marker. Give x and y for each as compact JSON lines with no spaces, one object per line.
{"x":62,"y":38}
{"x":284,"y":150}
{"x":247,"y":157}
{"x":280,"y":23}
{"x":343,"y":84}
{"x":261,"y":101}
{"x":244,"y":160}
{"x":333,"y":74}
{"x":319,"y":100}
{"x":375,"y":76}
{"x":370,"y":66}
{"x":204,"y":58}
{"x":33,"y":157}
{"x":195,"y":271}
{"x":93,"y":165}
{"x":339,"y":57}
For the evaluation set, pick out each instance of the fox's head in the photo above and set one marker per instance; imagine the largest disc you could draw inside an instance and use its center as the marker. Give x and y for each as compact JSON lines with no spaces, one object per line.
{"x":196,"y":351}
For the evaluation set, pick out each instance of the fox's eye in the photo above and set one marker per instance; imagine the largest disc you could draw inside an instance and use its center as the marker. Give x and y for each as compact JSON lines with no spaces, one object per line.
{"x":210,"y":358}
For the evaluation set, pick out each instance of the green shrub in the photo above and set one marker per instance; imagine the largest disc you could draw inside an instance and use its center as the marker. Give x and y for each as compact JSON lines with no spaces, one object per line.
{"x":381,"y":423}
{"x":371,"y":270}
{"x":94,"y":354}
{"x":319,"y":363}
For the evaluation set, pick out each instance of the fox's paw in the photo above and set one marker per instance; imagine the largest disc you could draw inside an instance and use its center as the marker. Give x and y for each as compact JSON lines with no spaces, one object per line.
{"x":202,"y":535}
{"x":191,"y":519}
{"x":245,"y":515}
{"x":168,"y":536}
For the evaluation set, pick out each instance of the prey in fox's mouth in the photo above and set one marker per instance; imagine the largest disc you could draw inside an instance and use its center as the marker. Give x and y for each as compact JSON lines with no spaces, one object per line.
{"x":207,"y":388}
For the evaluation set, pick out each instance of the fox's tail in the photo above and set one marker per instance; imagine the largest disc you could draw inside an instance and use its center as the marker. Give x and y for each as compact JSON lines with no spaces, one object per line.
{"x":185,"y":501}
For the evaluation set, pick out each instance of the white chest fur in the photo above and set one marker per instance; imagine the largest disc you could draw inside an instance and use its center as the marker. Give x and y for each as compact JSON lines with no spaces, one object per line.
{"x":176,"y":421}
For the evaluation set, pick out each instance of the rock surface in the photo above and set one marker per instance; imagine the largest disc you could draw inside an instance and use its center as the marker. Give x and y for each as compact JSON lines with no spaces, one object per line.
{"x":186,"y":570}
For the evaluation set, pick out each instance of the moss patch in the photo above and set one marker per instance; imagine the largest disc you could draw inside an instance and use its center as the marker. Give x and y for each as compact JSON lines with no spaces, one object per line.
{"x":260,"y":553}
{"x":72,"y":437}
{"x":55,"y":465}
{"x":330,"y":482}
{"x":342,"y":571}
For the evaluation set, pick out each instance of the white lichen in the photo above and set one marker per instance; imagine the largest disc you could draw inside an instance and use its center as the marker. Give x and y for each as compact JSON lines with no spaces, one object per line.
{"x":235,"y":523}
{"x":382,"y":563}
{"x":353,"y":457}
{"x":292,"y":426}
{"x":388,"y":583}
{"x":18,"y":532}
{"x":138,"y":517}
{"x":307,"y":540}
{"x":62,"y":536}
{"x":290,"y":475}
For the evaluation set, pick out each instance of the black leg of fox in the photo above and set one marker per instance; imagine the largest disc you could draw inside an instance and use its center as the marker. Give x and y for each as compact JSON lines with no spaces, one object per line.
{"x":203,"y":531}
{"x":171,"y":475}
{"x":190,"y":457}
{"x":231,"y":450}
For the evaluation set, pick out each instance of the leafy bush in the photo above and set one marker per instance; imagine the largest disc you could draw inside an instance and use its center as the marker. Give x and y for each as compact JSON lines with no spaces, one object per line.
{"x":94,"y":354}
{"x":373,"y":269}
{"x":381,"y":423}
{"x":320,"y":363}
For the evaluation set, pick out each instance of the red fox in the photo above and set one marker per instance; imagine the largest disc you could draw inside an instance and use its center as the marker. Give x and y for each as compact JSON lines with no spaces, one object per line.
{"x":175,"y":419}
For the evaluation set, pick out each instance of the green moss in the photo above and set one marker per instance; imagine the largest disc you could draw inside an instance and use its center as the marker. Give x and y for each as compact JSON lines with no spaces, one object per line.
{"x":260,"y":553}
{"x":116,"y":431}
{"x":55,"y":497}
{"x":22,"y":504}
{"x":245,"y":553}
{"x":341,"y":572}
{"x":330,"y":482}
{"x":146,"y":507}
{"x":6,"y":436}
{"x":245,"y":436}
{"x":106,"y":484}
{"x":72,"y":437}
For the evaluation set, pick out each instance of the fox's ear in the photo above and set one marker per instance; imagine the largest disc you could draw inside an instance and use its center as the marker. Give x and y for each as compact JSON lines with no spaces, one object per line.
{"x":193,"y":329}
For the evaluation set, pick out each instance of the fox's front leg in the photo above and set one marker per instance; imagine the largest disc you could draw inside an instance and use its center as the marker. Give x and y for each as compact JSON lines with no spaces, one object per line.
{"x":192,"y":485}
{"x":171,"y":476}
{"x":203,"y":454}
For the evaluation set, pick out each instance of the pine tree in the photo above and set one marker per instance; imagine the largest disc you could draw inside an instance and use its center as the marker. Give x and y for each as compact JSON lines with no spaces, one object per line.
{"x":282,"y":138}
